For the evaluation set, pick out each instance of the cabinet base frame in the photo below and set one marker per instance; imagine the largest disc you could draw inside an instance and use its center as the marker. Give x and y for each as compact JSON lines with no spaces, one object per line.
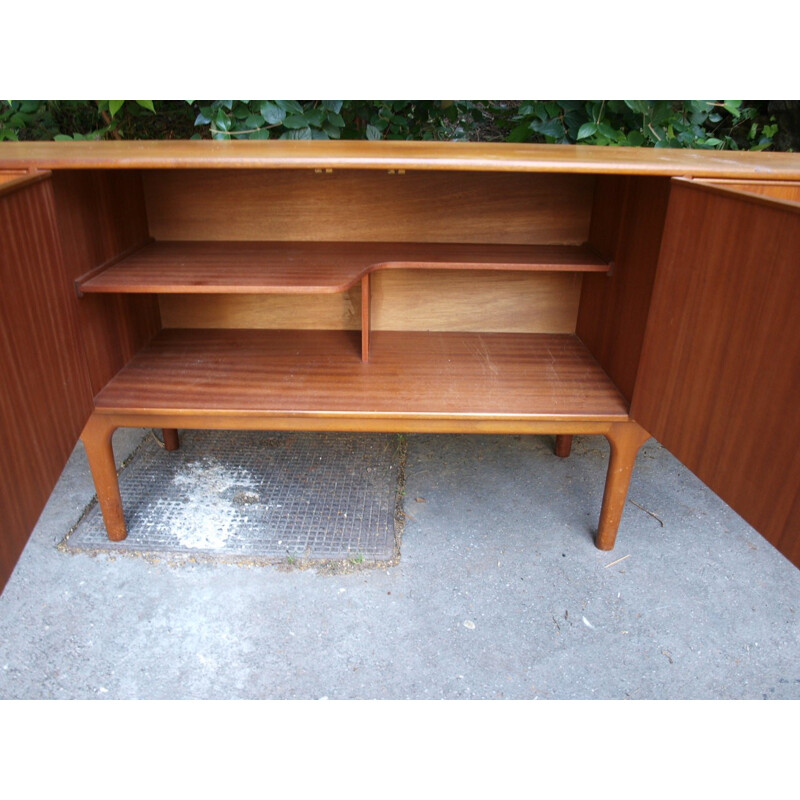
{"x":625,"y":439}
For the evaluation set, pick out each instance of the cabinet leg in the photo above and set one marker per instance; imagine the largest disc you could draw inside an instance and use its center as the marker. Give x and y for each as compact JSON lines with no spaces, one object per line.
{"x":171,"y":440}
{"x":625,"y":439}
{"x":563,"y":445}
{"x":96,"y":438}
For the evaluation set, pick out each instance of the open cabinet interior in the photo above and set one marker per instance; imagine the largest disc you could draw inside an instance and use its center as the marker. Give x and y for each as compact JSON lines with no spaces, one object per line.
{"x":484,"y":272}
{"x":428,"y":288}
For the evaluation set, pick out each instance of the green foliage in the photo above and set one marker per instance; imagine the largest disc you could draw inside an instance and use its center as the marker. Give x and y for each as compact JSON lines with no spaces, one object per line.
{"x":421,"y":120}
{"x":704,"y":124}
{"x":67,"y":120}
{"x":265,"y":119}
{"x":700,"y":124}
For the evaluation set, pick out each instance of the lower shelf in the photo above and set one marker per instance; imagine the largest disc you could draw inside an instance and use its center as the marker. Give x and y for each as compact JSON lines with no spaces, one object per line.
{"x":411,"y":375}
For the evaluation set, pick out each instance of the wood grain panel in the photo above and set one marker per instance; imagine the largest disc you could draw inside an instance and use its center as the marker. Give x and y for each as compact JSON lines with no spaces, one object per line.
{"x":7,"y":176}
{"x":626,"y":226}
{"x":319,"y":373}
{"x":45,"y":398}
{"x":401,"y":300}
{"x":780,"y":190}
{"x":100,"y":215}
{"x":393,"y":155}
{"x":302,"y":311}
{"x":406,"y":300}
{"x":720,"y":376}
{"x":281,"y":205}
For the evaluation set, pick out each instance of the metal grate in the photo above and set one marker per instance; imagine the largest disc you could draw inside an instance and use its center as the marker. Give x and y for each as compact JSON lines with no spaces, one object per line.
{"x":256,"y":496}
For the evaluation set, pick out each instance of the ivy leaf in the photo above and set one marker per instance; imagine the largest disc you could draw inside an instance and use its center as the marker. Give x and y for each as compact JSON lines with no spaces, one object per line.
{"x":606,"y":130}
{"x":315,"y":116}
{"x":552,"y":128}
{"x":222,"y":121}
{"x":521,"y":133}
{"x":295,"y":122}
{"x":586,"y":130}
{"x":299,"y":133}
{"x":732,"y":106}
{"x":272,"y":114}
{"x":148,"y":104}
{"x":336,"y":119}
{"x":635,"y":139}
{"x":290,"y":106}
{"x":638,"y":106}
{"x":114,"y":106}
{"x":333,"y":105}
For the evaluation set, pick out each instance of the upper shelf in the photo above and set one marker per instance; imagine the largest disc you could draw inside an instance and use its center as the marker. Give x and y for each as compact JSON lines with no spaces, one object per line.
{"x":313,"y":267}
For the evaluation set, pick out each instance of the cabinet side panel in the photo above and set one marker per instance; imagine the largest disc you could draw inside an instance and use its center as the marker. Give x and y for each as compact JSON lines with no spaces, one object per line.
{"x":45,"y":397}
{"x":780,"y":190}
{"x":719,"y":381}
{"x":627,"y":222}
{"x":100,"y":215}
{"x":376,"y":206}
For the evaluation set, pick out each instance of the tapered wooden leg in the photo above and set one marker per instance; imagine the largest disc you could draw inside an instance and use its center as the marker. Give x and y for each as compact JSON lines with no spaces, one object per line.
{"x":96,"y":438}
{"x":563,"y":445}
{"x":625,"y":439}
{"x":171,"y":440}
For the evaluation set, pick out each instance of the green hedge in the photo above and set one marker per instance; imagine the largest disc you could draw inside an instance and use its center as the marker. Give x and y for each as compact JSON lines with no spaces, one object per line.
{"x":707,"y":124}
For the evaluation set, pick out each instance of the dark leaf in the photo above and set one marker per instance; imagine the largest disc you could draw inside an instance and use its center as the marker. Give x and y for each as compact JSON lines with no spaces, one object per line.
{"x":272,"y":113}
{"x":290,"y":106}
{"x":295,"y":122}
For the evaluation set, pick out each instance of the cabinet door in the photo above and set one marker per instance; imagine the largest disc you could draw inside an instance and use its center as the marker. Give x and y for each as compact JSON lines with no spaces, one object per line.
{"x":45,"y":397}
{"x":719,"y":379}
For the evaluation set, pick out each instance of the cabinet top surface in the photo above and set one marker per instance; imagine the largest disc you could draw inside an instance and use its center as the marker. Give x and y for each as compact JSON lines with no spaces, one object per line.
{"x":467,"y":156}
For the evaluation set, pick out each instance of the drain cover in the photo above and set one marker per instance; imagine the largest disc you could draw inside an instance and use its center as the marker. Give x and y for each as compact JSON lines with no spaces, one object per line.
{"x":258,"y":496}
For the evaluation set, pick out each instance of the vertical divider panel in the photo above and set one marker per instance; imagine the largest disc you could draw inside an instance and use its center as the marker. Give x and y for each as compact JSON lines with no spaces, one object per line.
{"x":365,"y":318}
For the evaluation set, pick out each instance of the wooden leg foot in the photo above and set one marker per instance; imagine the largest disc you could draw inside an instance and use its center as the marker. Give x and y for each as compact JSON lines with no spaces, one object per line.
{"x":563,"y":445}
{"x":171,"y":440}
{"x":625,"y":439}
{"x":96,"y":438}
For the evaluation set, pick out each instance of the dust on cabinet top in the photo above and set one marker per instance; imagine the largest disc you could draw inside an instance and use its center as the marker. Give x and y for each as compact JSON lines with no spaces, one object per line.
{"x":398,"y":156}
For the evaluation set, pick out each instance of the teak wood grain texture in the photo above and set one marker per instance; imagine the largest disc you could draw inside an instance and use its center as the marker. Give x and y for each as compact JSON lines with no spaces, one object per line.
{"x":45,"y":397}
{"x":352,"y":206}
{"x":314,"y":267}
{"x":428,"y":156}
{"x":100,"y":216}
{"x":437,"y":300}
{"x":719,"y":381}
{"x":627,"y":223}
{"x":319,"y":374}
{"x":779,"y":190}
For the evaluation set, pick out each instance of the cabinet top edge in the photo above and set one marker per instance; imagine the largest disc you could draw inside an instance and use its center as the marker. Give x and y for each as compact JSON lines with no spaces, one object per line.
{"x":454,"y":156}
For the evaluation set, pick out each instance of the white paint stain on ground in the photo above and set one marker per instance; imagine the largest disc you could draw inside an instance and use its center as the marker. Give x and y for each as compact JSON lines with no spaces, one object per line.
{"x":208,"y":514}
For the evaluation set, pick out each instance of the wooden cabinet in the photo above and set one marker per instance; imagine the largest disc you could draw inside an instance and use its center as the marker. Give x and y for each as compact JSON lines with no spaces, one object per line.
{"x":407,"y":287}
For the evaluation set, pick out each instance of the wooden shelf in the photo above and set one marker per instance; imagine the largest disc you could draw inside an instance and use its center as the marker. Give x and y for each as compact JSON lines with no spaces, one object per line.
{"x":313,"y":267}
{"x":464,"y":376}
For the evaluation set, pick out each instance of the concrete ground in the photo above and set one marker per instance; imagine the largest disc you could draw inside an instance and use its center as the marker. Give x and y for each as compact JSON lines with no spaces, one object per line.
{"x":499,"y":593}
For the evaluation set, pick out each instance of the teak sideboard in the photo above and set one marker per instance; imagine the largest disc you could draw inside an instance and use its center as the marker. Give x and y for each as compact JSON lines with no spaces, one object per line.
{"x":402,"y":287}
